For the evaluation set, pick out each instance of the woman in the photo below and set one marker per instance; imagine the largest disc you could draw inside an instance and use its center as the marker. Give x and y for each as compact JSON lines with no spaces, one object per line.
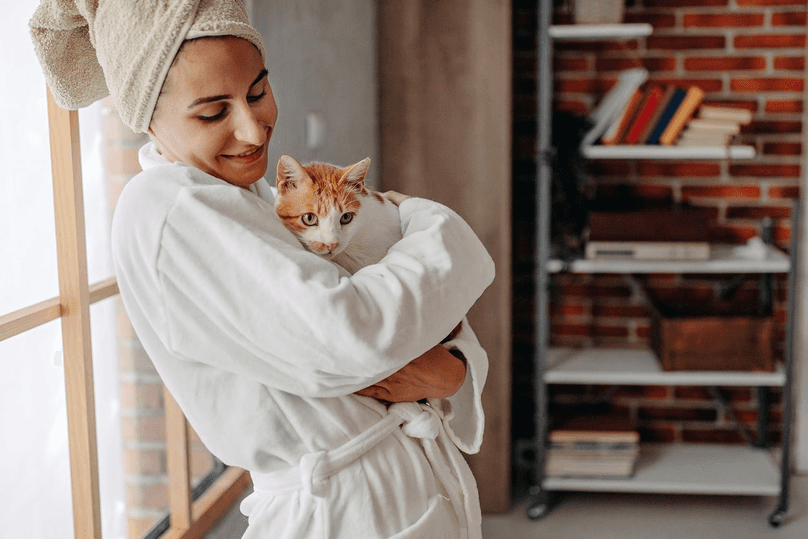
{"x":272,"y":352}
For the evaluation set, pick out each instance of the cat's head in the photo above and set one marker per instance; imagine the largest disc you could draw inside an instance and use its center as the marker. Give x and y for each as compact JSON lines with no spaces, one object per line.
{"x":320,"y":202}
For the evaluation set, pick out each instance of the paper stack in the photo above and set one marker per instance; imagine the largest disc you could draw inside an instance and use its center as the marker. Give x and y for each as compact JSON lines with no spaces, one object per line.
{"x":714,"y":126}
{"x":593,"y":446}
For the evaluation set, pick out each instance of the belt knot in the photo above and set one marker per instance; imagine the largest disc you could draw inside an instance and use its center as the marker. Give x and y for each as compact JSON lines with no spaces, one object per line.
{"x":418,"y":421}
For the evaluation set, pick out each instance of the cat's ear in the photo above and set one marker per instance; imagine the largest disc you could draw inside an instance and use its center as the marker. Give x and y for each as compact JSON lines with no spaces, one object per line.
{"x":290,"y":172}
{"x":354,"y":175}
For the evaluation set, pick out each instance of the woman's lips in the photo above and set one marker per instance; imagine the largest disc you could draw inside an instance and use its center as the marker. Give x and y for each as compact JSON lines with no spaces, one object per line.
{"x":249,"y":156}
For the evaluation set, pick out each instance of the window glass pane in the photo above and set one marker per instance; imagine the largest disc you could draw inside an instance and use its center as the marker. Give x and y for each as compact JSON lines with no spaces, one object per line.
{"x":27,"y":239}
{"x":33,"y":437}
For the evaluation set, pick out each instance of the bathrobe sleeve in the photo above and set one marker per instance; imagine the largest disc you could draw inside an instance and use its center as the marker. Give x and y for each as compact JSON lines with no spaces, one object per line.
{"x":239,"y":293}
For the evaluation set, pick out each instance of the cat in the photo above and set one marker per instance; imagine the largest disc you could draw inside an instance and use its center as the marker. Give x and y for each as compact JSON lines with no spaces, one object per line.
{"x":335,"y":215}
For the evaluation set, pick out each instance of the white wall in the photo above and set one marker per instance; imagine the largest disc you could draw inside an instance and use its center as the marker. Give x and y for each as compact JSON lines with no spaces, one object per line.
{"x":321,"y":57}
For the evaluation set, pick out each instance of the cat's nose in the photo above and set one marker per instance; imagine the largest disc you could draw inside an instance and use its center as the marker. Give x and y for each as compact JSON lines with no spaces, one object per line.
{"x":331,"y":246}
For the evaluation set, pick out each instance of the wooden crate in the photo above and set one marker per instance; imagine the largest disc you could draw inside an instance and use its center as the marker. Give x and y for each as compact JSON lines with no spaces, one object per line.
{"x":693,"y":335}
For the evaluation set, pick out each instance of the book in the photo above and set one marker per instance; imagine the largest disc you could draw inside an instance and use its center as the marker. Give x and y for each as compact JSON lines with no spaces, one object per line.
{"x":715,"y":126}
{"x":644,"y":112}
{"x":607,"y":428}
{"x":715,"y":112}
{"x":647,"y":250}
{"x":687,"y":108}
{"x":664,"y":120}
{"x":657,"y":113}
{"x":613,"y":102}
{"x":615,"y":132}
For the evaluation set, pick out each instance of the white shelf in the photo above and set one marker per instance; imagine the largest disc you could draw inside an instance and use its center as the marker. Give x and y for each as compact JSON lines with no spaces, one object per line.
{"x":689,"y":469}
{"x":639,"y":366}
{"x":623,"y":151}
{"x":599,"y":31}
{"x":723,"y":259}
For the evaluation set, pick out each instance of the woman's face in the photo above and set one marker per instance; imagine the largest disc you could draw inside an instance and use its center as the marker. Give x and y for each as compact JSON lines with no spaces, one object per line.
{"x":217,"y":111}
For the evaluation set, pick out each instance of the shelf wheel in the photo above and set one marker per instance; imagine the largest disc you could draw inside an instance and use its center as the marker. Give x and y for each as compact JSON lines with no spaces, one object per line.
{"x":776,"y":519}
{"x":538,"y":511}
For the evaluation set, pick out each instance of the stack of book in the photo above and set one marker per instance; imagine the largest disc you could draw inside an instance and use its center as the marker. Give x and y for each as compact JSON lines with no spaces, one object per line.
{"x":635,"y":113}
{"x":714,"y":126}
{"x":604,"y":446}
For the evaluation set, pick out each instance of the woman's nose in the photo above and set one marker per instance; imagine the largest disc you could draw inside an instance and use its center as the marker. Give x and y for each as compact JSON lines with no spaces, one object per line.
{"x":249,"y":128}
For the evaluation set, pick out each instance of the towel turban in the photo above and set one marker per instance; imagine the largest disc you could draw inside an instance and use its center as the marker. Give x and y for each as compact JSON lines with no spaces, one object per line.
{"x":93,"y":48}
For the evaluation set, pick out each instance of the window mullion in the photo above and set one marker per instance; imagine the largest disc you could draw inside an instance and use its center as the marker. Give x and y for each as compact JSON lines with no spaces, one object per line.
{"x":74,"y":297}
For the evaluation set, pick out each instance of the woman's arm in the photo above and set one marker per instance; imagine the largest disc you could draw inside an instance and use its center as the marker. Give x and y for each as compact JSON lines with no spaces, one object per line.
{"x":437,"y":374}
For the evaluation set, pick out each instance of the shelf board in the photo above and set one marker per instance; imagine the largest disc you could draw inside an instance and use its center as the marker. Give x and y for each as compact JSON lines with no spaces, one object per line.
{"x":639,"y":366}
{"x":623,"y":151}
{"x":599,"y":31}
{"x":689,"y":469}
{"x":723,"y":259}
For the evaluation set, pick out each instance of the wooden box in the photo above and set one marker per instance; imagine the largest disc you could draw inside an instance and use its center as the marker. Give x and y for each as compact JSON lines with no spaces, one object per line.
{"x":692,"y":335}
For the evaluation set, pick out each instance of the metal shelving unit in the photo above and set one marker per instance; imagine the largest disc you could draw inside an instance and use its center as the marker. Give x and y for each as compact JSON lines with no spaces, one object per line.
{"x":670,"y":468}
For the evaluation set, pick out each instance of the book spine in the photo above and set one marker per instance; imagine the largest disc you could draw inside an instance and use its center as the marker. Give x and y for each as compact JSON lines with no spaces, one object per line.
{"x":690,"y":103}
{"x":665,"y":119}
{"x":646,"y":110}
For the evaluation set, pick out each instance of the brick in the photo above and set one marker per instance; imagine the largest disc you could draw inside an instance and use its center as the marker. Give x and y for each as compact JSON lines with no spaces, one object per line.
{"x":746,"y":104}
{"x":782,"y":235}
{"x":585,"y":85}
{"x":783,"y":106}
{"x":766,"y":171}
{"x":757,"y":212}
{"x":772,"y":127}
{"x":769,"y":41}
{"x":789,"y":18}
{"x":657,"y":434}
{"x":790,"y":63}
{"x":784,"y":191}
{"x":767,"y":84}
{"x":657,"y":20}
{"x":670,"y":4}
{"x":734,"y":395}
{"x":571,"y":64}
{"x":643,"y":392}
{"x":708,"y":85}
{"x":621,"y":64}
{"x":567,"y":310}
{"x":714,"y":435}
{"x":620,"y":311}
{"x":576,"y":330}
{"x":736,"y":234}
{"x":601,"y":330}
{"x":721,"y":191}
{"x":770,"y":2}
{"x":709,"y":63}
{"x":645,"y":191}
{"x":596,"y":46}
{"x":678,"y":413}
{"x":722,"y":20}
{"x":571,"y":105}
{"x":685,"y":42}
{"x":678,"y":169}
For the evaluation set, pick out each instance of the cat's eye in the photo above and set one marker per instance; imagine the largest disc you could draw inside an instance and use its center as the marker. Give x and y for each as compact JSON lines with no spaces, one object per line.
{"x":309,"y":219}
{"x":346,"y":218}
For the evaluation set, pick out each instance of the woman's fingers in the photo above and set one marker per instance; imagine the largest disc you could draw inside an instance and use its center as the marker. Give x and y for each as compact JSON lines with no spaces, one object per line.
{"x":395,"y":197}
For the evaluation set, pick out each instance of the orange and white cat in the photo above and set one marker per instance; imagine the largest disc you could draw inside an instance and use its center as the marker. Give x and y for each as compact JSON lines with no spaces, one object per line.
{"x":334,"y":214}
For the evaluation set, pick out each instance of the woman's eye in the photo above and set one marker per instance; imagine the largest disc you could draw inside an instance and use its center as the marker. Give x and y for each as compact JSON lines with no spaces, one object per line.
{"x":215,"y":117}
{"x":346,"y":218}
{"x":309,"y":219}
{"x":254,"y":98}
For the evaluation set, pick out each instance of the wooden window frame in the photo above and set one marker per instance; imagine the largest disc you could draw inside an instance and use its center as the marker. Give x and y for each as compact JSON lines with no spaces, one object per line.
{"x":188,"y":519}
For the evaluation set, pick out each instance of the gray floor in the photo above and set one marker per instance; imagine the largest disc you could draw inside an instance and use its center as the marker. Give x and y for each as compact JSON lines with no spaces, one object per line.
{"x":630,"y":516}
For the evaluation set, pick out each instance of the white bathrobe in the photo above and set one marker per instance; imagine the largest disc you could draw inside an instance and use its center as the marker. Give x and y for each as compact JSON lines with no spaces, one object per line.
{"x":262,"y":344}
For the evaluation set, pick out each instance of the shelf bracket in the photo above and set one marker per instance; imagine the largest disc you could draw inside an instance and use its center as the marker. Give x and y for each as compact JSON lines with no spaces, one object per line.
{"x":724,"y":407}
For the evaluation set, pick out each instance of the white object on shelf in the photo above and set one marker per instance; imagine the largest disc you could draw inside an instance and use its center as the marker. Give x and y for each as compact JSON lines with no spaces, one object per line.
{"x":625,"y":151}
{"x":600,"y":31}
{"x":689,"y":469}
{"x":723,"y":259}
{"x":639,"y":366}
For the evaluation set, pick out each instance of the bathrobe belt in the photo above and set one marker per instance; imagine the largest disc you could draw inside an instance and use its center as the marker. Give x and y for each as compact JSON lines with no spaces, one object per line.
{"x":416,"y":421}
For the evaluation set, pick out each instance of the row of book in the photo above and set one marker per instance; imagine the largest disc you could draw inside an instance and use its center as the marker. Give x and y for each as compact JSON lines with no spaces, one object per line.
{"x":634,"y":112}
{"x":601,"y":446}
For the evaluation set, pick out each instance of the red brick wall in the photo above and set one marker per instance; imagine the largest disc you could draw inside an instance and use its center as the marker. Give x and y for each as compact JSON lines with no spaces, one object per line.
{"x":745,"y":53}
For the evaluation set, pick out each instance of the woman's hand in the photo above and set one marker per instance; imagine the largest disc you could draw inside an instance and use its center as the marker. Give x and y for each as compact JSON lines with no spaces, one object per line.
{"x":438,"y":373}
{"x":395,"y":197}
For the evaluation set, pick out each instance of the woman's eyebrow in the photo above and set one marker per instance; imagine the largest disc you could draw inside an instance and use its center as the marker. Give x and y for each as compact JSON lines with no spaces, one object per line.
{"x":213,"y":98}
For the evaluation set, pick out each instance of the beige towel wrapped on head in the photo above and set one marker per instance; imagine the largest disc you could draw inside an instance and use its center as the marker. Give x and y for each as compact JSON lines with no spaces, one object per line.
{"x":93,"y":48}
